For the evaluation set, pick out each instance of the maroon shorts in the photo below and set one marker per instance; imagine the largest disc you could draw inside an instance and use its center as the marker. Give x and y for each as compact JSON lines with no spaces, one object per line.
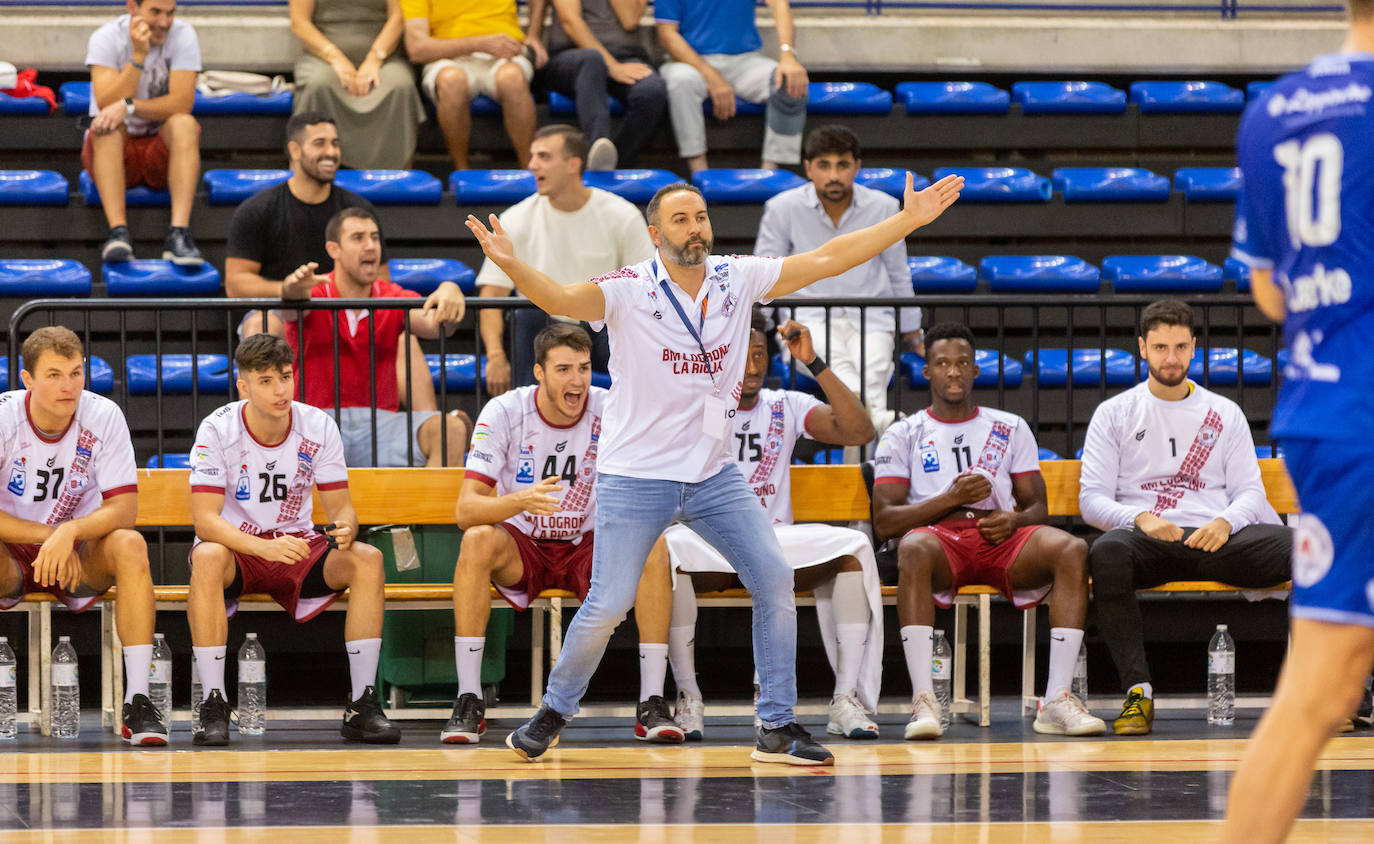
{"x":299,"y":588}
{"x":973,"y":561}
{"x":549,"y":564}
{"x":145,"y":160}
{"x":24,"y":555}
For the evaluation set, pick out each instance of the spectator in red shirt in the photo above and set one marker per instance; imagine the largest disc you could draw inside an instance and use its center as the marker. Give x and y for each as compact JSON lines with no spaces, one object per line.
{"x":367,"y":343}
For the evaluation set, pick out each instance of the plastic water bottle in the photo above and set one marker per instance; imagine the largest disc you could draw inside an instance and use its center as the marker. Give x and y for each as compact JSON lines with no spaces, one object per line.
{"x":9,"y":701}
{"x":66,"y":690}
{"x":196,"y":694}
{"x":1080,"y":674}
{"x":252,"y":687}
{"x":1221,"y":678}
{"x":941,"y":675}
{"x":160,"y":677}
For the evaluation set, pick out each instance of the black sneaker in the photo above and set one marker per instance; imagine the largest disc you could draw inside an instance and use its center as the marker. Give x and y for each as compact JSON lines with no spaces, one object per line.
{"x":790,"y":744}
{"x":532,"y":738}
{"x":467,"y":723}
{"x":119,"y":247}
{"x":653,"y":722}
{"x":214,"y":722}
{"x":1364,"y":717}
{"x":143,"y":725}
{"x":364,"y":721}
{"x":180,"y":249}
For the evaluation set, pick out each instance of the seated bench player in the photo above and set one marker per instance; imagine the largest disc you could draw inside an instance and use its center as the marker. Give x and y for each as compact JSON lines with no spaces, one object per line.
{"x":835,"y":563}
{"x":252,"y":468}
{"x":961,"y":485}
{"x":68,"y":508}
{"x":529,"y":445}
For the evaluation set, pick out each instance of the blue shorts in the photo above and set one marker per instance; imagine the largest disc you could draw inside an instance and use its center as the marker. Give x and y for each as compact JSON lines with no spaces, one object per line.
{"x":1333,"y":545}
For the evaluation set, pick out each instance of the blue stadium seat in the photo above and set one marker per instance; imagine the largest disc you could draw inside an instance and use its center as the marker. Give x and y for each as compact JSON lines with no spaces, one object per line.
{"x":1069,"y":97}
{"x":101,"y":375}
{"x":490,"y":187}
{"x":1255,"y":90}
{"x":938,"y":274}
{"x":392,"y":187}
{"x":424,"y":275}
{"x":1123,"y":368}
{"x":1049,"y":454}
{"x":33,"y":187}
{"x":744,"y":186}
{"x":459,"y":370}
{"x":1223,"y":369}
{"x":159,"y":278}
{"x":847,"y":98}
{"x":244,"y":104}
{"x":1161,"y":274}
{"x":1264,"y":452}
{"x":136,"y":197}
{"x":22,"y":105}
{"x":230,"y":187}
{"x":1208,"y":184}
{"x":953,"y":98}
{"x":987,"y":369}
{"x":212,"y":371}
{"x":561,"y":106}
{"x":484,"y":106}
{"x":999,"y":184}
{"x":30,"y":278}
{"x":1039,"y":274}
{"x":601,"y":379}
{"x":1110,"y":184}
{"x":793,"y":378}
{"x":637,"y":186}
{"x":1282,"y":358}
{"x":742,"y":107}
{"x":828,"y":457}
{"x":1159,"y":97}
{"x":1234,"y":271}
{"x":890,"y":181}
{"x":179,"y":460}
{"x":75,"y":97}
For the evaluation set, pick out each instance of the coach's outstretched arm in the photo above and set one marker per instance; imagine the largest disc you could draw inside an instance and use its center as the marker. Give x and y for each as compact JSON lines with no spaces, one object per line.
{"x":850,"y":250}
{"x":583,"y":301}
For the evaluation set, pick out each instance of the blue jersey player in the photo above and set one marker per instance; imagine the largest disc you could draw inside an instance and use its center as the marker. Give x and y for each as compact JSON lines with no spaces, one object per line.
{"x":1305,"y":226}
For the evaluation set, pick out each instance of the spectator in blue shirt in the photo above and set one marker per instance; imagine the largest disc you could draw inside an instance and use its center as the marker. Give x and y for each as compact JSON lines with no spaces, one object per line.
{"x":716,"y":52}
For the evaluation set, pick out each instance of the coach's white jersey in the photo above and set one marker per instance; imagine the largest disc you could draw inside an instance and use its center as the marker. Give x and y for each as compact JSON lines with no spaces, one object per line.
{"x":51,"y":480}
{"x":764,"y":437}
{"x":1188,"y":461}
{"x":929,"y":453}
{"x":267,"y":487}
{"x":514,"y":447}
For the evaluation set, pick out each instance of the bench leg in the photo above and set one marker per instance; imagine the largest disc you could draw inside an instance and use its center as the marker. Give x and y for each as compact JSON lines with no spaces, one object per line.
{"x":107,"y":692}
{"x":45,"y":661}
{"x":555,"y":629}
{"x":117,"y":676}
{"x":984,"y":660}
{"x":1028,"y":698}
{"x":35,"y":669}
{"x":960,"y":689}
{"x":536,"y":655}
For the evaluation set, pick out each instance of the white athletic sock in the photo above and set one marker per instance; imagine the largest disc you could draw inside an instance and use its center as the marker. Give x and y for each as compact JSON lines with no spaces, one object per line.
{"x":1064,"y":645}
{"x":653,"y":667}
{"x":916,"y":645}
{"x":682,"y":656}
{"x":362,"y":663}
{"x":850,"y":607}
{"x":467,"y":653}
{"x":138,"y":662}
{"x":1146,"y":689}
{"x":210,"y":665}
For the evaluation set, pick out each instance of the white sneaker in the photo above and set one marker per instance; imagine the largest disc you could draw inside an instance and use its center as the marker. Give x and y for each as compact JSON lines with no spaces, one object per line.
{"x":1065,"y":715}
{"x":602,"y":155}
{"x":848,"y":719}
{"x":925,"y":717}
{"x":690,"y":715}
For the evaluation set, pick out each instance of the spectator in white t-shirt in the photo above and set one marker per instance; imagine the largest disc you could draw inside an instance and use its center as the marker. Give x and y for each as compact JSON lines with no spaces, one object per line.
{"x":567,"y":230}
{"x":1169,"y":472}
{"x":143,"y":84}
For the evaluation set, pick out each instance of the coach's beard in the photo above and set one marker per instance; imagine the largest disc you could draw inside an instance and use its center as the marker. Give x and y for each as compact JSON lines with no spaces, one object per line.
{"x":685,"y":255}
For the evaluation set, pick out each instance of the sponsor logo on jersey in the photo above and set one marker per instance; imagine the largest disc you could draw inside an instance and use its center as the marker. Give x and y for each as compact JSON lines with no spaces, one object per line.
{"x":930,"y":458}
{"x":1303,"y":101}
{"x":527,"y":450}
{"x":524,"y":470}
{"x":561,"y":446}
{"x":483,"y":455}
{"x":480,"y":431}
{"x":271,"y":466}
{"x":1140,"y":435}
{"x":77,"y":483}
{"x":52,"y":460}
{"x":18,"y":476}
{"x":200,"y":452}
{"x":243,"y":490}
{"x":745,"y":426}
{"x":959,"y":440}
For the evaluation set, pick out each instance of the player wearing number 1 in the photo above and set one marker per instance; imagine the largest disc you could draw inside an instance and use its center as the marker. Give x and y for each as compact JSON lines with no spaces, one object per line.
{"x":1305,"y":228}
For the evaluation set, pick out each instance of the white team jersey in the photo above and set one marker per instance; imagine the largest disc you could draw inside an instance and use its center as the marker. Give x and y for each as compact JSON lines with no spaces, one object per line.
{"x":267,"y":487}
{"x":54,"y":480}
{"x":764,"y":437}
{"x":1187,"y":461}
{"x":514,"y":448}
{"x":660,"y":379}
{"x":929,"y":453}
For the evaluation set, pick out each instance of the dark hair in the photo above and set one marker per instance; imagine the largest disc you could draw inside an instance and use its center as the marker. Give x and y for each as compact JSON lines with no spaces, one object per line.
{"x":948,"y":331}
{"x":1360,"y":9}
{"x":300,"y":122}
{"x":554,"y":334}
{"x":831,"y":138}
{"x":1166,"y":312}
{"x":758,"y":320}
{"x":354,"y":212}
{"x":574,"y":143}
{"x":263,"y":353}
{"x":59,"y":340}
{"x":651,"y":212}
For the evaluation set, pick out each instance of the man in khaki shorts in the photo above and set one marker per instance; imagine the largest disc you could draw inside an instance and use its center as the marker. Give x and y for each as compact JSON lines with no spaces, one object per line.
{"x":468,"y":48}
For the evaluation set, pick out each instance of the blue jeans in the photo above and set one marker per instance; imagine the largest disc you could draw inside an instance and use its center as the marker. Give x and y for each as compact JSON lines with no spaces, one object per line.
{"x":631,"y":513}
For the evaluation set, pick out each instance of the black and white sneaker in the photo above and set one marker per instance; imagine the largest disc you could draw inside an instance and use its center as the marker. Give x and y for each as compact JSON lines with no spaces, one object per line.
{"x":468,"y":721}
{"x":180,"y":249}
{"x":365,"y":721}
{"x":532,"y":738}
{"x":143,"y":724}
{"x":214,"y":722}
{"x":790,"y":744}
{"x":119,"y":247}
{"x":654,"y":723}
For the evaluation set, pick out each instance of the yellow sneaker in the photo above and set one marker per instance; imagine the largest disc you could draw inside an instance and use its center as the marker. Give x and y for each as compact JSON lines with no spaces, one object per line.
{"x":1137,"y":715}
